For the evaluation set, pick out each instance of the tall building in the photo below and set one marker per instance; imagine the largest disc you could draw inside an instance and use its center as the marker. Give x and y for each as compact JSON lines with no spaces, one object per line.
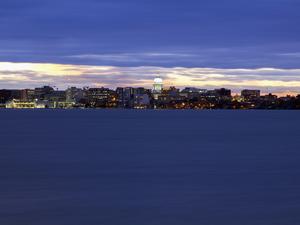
{"x":101,"y":97}
{"x":169,"y":94}
{"x":5,"y":95}
{"x":74,"y":94}
{"x":126,"y":97}
{"x":192,"y":92}
{"x":42,"y":92}
{"x":141,"y":101}
{"x":223,"y":92}
{"x":27,"y":95}
{"x":130,"y":97}
{"x":250,"y":94}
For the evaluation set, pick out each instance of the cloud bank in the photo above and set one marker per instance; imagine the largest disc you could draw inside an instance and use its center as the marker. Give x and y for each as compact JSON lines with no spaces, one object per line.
{"x":29,"y":75}
{"x":132,"y":33}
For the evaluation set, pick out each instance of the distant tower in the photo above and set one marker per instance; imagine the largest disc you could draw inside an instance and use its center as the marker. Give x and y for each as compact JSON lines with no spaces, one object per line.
{"x":158,"y":85}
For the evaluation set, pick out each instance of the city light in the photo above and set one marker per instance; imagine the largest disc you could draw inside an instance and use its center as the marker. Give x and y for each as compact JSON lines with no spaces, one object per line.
{"x":160,"y":97}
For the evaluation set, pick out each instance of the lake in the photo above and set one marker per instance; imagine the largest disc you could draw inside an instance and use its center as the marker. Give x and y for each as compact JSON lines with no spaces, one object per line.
{"x":152,"y":167}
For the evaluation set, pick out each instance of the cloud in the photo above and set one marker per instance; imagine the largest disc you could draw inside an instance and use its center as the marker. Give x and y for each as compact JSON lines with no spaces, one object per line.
{"x":291,"y":54}
{"x":29,"y":75}
{"x":159,"y":33}
{"x":134,"y":57}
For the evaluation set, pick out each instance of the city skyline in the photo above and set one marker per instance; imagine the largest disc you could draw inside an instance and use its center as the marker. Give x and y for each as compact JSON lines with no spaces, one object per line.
{"x":158,"y":97}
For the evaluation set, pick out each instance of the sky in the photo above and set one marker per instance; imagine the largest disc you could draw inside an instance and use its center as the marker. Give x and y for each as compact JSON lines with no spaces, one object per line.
{"x":205,"y":43}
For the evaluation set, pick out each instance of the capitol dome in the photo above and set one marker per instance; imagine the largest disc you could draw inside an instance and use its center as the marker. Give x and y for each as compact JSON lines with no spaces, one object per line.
{"x":158,"y":80}
{"x":157,"y":86}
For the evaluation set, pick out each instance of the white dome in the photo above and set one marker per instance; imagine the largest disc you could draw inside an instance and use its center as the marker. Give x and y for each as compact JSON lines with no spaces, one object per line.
{"x":158,"y":80}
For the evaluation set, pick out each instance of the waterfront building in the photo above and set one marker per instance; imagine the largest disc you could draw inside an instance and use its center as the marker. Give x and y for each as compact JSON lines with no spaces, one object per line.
{"x":74,"y":94}
{"x":27,"y":95}
{"x":55,"y":96}
{"x":125,"y":97}
{"x":41,"y":92}
{"x":130,"y":97}
{"x":141,"y":101}
{"x":64,"y":105}
{"x":211,"y":94}
{"x":168,"y":95}
{"x":122,"y":97}
{"x":250,"y":94}
{"x":270,"y":98}
{"x":5,"y":95}
{"x":101,"y":97}
{"x":223,"y":93}
{"x":18,"y":104}
{"x":139,"y":91}
{"x":192,"y":92}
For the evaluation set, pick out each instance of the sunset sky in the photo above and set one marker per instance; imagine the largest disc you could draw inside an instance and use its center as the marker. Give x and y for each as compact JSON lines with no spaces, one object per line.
{"x":204,"y":43}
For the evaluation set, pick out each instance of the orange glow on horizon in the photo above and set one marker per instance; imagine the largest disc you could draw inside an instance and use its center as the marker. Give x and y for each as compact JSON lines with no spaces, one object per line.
{"x":286,"y":82}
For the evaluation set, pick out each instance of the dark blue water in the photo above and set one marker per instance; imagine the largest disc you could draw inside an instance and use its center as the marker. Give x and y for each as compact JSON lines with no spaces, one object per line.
{"x":111,"y":167}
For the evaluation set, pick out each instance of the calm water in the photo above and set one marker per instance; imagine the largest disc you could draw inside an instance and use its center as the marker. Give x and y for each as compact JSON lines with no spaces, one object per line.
{"x":111,"y":167}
